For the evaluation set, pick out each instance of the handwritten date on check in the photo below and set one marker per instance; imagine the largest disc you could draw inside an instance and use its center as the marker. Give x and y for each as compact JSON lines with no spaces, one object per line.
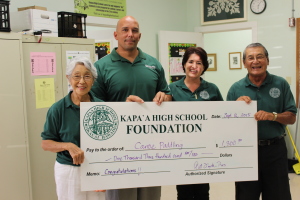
{"x":130,"y":145}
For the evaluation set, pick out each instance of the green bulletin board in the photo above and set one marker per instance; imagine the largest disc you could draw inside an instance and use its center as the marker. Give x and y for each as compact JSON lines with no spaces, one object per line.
{"x":115,"y":9}
{"x":101,"y":49}
{"x":176,"y":51}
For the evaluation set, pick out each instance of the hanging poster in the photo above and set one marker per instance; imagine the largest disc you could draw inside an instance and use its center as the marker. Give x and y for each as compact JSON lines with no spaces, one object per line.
{"x":101,"y":49}
{"x":44,"y":92}
{"x":73,"y":54}
{"x":101,"y":8}
{"x":176,"y":52}
{"x":220,"y":11}
{"x":43,"y":63}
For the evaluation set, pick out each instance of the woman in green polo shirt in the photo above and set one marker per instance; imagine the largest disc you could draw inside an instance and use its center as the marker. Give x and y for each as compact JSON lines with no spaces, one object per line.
{"x":61,"y":133}
{"x":194,"y":88}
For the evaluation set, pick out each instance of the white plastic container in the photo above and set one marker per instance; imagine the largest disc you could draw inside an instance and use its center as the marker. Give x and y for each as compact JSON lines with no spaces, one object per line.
{"x":35,"y":20}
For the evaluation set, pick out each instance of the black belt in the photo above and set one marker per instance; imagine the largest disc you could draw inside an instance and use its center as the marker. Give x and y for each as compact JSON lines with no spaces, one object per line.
{"x":270,"y":141}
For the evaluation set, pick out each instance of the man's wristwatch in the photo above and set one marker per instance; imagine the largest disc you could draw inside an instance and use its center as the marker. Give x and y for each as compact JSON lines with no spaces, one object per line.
{"x":275,"y":116}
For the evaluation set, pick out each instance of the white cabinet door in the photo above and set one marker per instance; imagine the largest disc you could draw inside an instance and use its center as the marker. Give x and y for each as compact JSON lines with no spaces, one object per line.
{"x":42,"y":162}
{"x":14,"y":169}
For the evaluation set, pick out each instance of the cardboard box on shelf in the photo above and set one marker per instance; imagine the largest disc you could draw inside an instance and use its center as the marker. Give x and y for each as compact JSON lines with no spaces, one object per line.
{"x":32,"y":7}
{"x":35,"y":20}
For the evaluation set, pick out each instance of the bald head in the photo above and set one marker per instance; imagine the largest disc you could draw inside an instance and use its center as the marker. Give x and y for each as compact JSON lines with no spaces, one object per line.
{"x":127,"y":33}
{"x":126,"y":19}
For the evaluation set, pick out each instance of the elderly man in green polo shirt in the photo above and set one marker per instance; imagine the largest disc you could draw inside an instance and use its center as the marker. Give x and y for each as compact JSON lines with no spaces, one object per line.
{"x":276,"y":108}
{"x":129,"y":74}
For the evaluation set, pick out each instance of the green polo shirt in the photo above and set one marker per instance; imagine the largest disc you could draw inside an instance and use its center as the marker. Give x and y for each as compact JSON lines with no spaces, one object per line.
{"x":118,"y":78}
{"x":206,"y":92}
{"x":274,"y":95}
{"x":63,"y":125}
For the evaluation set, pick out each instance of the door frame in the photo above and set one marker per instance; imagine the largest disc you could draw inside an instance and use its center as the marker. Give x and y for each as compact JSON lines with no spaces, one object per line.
{"x":229,"y":27}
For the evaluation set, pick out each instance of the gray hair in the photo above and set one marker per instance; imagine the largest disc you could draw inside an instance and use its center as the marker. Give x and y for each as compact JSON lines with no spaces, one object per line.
{"x":81,"y":61}
{"x":256,"y":45}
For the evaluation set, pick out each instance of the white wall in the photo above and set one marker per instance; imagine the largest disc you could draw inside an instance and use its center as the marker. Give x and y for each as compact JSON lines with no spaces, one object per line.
{"x":53,"y":5}
{"x":184,"y":15}
{"x":280,"y":40}
{"x":156,"y":15}
{"x":222,"y":43}
{"x":193,"y":14}
{"x":278,"y":37}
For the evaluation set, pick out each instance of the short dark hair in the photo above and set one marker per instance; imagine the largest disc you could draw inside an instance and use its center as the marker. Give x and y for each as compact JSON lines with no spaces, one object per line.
{"x":200,"y":52}
{"x":255,"y":45}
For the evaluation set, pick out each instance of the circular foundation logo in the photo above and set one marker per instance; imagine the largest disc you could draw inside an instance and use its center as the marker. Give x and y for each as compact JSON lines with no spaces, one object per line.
{"x":204,"y":94}
{"x":100,"y":122}
{"x":274,"y":92}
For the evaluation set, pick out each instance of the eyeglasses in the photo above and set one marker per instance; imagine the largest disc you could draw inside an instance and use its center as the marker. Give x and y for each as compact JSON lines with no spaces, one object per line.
{"x":259,"y":58}
{"x":85,"y":77}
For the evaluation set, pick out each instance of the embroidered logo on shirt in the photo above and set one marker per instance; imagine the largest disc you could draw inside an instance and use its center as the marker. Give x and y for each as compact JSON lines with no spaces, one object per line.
{"x":204,"y":94}
{"x":274,"y":92}
{"x":100,"y":122}
{"x":151,"y":67}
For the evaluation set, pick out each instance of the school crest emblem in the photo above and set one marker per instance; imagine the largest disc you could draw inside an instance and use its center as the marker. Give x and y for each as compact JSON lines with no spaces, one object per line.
{"x":274,"y":92}
{"x":100,"y":122}
{"x":204,"y":94}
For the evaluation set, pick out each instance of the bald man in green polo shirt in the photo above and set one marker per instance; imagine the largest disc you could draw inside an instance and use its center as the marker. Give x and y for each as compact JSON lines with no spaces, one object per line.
{"x":129,"y":71}
{"x":128,"y":74}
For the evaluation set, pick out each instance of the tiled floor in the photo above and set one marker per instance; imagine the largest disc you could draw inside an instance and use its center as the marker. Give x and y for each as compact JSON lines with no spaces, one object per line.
{"x":225,"y":191}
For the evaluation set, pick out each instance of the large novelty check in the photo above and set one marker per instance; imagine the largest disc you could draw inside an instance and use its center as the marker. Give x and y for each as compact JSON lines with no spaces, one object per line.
{"x":138,"y":145}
